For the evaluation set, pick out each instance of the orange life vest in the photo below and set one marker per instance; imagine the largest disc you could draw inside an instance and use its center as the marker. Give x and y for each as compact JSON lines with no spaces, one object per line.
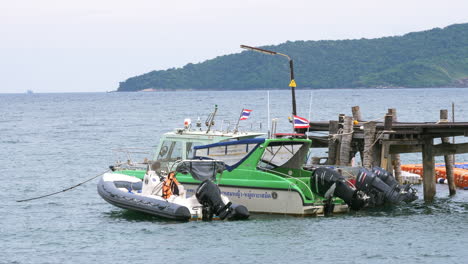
{"x":170,"y":186}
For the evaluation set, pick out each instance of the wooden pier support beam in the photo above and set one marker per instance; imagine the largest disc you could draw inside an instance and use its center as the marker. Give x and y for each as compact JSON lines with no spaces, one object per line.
{"x":385,"y":157}
{"x":356,"y":113}
{"x":388,"y":122}
{"x":332,"y":142}
{"x":429,"y":181}
{"x":346,"y":138}
{"x":396,"y":161}
{"x":448,"y":159}
{"x":369,"y":144}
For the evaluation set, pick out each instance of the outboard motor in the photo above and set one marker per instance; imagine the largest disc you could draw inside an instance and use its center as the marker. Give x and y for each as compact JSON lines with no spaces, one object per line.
{"x":328,"y":182}
{"x":379,"y":191}
{"x":208,"y":193}
{"x":410,"y":194}
{"x":209,"y":196}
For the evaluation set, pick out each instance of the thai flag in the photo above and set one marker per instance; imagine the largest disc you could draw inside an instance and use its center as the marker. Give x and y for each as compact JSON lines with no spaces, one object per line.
{"x":300,"y":122}
{"x":245,"y":114}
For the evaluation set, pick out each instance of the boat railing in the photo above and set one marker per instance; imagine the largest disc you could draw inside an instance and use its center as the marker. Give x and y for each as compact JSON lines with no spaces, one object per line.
{"x":132,"y":158}
{"x":227,"y":126}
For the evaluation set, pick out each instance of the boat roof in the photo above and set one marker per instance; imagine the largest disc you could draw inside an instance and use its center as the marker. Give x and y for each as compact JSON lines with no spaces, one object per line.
{"x":213,"y":135}
{"x":244,"y":141}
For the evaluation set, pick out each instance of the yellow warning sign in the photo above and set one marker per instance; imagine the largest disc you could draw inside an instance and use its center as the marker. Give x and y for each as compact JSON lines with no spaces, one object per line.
{"x":292,"y":83}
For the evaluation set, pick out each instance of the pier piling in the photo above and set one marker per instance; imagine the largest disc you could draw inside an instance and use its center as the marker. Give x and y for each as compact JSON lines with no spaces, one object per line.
{"x":369,"y":144}
{"x":429,"y":179}
{"x":396,"y":162}
{"x":448,"y":159}
{"x":356,"y":113}
{"x":332,"y":142}
{"x":346,"y":138}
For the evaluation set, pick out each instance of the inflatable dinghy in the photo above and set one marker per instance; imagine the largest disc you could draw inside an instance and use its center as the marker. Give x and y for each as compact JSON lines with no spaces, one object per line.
{"x":161,"y":195}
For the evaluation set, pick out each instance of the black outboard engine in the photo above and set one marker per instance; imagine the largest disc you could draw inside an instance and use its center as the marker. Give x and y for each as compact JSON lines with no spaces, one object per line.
{"x":328,"y":182}
{"x":209,"y":196}
{"x":410,"y":194}
{"x":382,"y":187}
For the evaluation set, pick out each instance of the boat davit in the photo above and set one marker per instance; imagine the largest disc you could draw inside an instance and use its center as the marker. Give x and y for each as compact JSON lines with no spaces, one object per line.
{"x":160,"y":193}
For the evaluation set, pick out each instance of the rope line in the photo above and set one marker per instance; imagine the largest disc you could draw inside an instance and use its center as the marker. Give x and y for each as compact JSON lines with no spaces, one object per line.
{"x":377,"y":139}
{"x":64,"y":190}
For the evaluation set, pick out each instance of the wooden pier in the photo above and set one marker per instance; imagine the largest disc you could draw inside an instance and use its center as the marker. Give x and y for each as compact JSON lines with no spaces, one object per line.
{"x":381,"y":142}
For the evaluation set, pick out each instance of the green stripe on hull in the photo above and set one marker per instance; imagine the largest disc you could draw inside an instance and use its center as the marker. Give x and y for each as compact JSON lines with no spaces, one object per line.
{"x":277,"y":182}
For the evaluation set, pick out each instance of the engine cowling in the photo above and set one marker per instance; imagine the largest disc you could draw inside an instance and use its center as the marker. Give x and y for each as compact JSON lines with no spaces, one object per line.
{"x":328,"y":182}
{"x":209,"y":196}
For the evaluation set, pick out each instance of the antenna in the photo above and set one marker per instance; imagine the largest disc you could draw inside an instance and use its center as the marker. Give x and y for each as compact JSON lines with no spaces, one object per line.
{"x":310,"y":111}
{"x":268,"y":112}
{"x":210,"y":120}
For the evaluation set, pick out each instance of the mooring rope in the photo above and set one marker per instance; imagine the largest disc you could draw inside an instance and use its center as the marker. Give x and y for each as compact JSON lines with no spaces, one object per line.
{"x":377,"y":139}
{"x":64,"y":190}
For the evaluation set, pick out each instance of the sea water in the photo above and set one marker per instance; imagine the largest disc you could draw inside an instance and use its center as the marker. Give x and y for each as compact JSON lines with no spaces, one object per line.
{"x":49,"y":142}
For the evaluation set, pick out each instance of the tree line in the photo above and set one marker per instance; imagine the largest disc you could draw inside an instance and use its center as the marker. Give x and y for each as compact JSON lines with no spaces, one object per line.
{"x":432,"y":58}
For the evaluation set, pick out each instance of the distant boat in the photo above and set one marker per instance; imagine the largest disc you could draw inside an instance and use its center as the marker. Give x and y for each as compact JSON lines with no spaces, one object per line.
{"x":29,"y":92}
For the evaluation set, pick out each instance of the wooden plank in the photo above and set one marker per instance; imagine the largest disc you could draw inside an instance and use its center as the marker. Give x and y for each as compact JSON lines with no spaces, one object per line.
{"x":428,"y":170}
{"x":404,"y":142}
{"x":450,"y":149}
{"x":395,"y":149}
{"x":438,"y":150}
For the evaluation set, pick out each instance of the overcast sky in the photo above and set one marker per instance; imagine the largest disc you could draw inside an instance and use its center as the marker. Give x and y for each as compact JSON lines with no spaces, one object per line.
{"x":92,"y":45}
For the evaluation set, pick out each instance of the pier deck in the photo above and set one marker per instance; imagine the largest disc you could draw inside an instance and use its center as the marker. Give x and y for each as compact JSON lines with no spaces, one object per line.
{"x":380,"y":143}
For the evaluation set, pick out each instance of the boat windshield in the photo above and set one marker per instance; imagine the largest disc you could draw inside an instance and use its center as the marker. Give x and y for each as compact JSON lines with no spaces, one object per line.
{"x":170,"y":151}
{"x":289,"y":155}
{"x":231,"y":153}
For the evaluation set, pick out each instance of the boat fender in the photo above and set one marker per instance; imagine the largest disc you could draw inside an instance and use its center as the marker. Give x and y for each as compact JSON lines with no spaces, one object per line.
{"x":441,"y":180}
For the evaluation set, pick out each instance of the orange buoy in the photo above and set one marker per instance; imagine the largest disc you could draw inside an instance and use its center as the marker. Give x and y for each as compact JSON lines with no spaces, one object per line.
{"x":460,"y":175}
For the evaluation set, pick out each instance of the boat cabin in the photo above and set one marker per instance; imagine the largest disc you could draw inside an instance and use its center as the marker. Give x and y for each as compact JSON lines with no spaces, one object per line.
{"x":272,"y":155}
{"x":179,"y":144}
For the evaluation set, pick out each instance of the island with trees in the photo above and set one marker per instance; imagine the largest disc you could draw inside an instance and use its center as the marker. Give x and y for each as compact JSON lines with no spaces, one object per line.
{"x":432,"y":58}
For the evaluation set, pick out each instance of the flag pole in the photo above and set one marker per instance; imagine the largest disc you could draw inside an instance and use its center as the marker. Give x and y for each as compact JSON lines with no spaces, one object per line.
{"x":238,"y":120}
{"x":294,"y":129}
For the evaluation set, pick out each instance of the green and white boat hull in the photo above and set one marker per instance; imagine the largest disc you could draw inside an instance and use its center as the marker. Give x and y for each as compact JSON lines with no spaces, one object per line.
{"x":265,"y":175}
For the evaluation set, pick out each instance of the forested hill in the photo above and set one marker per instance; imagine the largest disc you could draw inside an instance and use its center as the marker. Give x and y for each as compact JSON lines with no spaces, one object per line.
{"x":433,"y":58}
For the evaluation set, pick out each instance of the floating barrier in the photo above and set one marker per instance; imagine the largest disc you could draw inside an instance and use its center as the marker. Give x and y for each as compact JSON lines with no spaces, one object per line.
{"x":410,"y":178}
{"x":460,"y":172}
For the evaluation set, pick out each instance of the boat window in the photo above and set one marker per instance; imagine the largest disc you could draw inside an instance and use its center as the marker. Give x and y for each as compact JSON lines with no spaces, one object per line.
{"x":230,"y":154}
{"x":170,"y":151}
{"x":284,"y":154}
{"x":189,"y":148}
